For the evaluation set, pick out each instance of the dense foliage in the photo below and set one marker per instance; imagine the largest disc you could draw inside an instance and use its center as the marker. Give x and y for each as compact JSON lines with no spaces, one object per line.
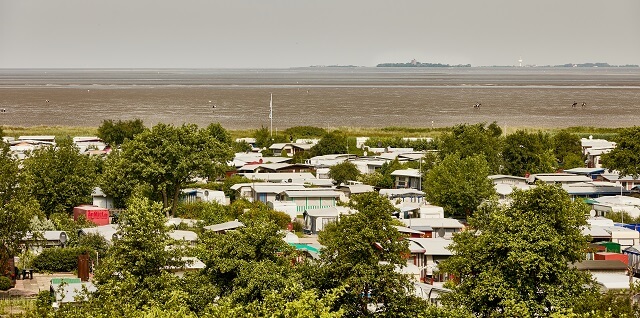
{"x":17,"y":208}
{"x":478,"y":139}
{"x":163,"y":159}
{"x":60,"y":259}
{"x":626,"y":156}
{"x":514,"y":261}
{"x":343,"y":172}
{"x":116,"y":133}
{"x":459,"y":185}
{"x":60,"y":177}
{"x":528,"y":153}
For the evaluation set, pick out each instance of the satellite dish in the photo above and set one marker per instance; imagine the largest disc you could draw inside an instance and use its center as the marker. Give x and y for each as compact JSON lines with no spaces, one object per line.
{"x":206,"y":193}
{"x":592,"y":213}
{"x":441,"y":232}
{"x":63,"y":237}
{"x":289,"y":181}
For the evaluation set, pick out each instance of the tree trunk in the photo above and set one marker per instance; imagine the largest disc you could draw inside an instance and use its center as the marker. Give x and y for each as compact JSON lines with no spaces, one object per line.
{"x":165,"y":203}
{"x":174,"y":204}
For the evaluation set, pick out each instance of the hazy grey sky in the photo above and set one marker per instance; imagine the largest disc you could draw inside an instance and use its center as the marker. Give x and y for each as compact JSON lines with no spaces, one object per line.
{"x":286,"y":33}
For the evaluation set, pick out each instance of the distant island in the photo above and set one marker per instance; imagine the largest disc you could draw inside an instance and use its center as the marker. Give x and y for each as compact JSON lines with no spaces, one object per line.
{"x":415,"y":63}
{"x":594,"y":65}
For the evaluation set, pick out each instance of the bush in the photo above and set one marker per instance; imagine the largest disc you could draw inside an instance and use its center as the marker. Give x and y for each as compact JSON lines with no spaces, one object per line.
{"x":43,"y":302}
{"x":5,"y":283}
{"x":60,"y":259}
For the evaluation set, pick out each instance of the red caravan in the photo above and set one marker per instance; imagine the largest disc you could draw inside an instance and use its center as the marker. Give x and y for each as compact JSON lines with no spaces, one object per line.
{"x":97,"y":215}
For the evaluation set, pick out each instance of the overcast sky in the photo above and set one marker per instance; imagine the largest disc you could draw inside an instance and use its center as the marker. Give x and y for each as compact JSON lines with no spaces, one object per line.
{"x":290,"y":33}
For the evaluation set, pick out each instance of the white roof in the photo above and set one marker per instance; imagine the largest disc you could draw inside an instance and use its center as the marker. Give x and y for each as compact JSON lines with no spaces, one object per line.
{"x":183,"y":235}
{"x":329,"y":212}
{"x":231,"y":225}
{"x":595,"y":231}
{"x":590,"y":142}
{"x":358,"y":188}
{"x":70,"y":291}
{"x":279,"y":176}
{"x":619,"y":200}
{"x":193,"y":263}
{"x":312,"y":193}
{"x":106,"y":231}
{"x":407,"y":173}
{"x":38,"y":138}
{"x":178,"y":221}
{"x":561,"y":177}
{"x":277,"y":187}
{"x":433,"y":246}
{"x":612,"y":281}
{"x":583,"y":170}
{"x":404,"y":229}
{"x":400,"y":192}
{"x":504,"y":176}
{"x":598,"y":151}
{"x":506,"y":189}
{"x":599,"y":221}
{"x":86,"y":139}
{"x":416,"y":248}
{"x":435,"y":223}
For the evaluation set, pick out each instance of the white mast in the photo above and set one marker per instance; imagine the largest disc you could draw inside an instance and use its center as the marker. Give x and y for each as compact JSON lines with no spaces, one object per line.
{"x":271,"y":113}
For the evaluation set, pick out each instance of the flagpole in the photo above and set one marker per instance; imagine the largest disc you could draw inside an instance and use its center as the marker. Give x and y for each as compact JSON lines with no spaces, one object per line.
{"x":271,"y":113}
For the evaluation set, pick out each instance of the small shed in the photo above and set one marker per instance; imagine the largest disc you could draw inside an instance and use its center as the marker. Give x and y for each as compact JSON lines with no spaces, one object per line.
{"x":612,"y":256}
{"x":224,"y":227}
{"x":97,"y":215}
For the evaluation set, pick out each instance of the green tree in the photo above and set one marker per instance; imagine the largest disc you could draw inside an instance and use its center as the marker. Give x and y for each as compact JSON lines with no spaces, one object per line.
{"x":218,"y":132}
{"x":166,"y":157}
{"x":472,"y":139}
{"x":459,"y":185}
{"x":60,"y":177}
{"x":248,"y":263}
{"x":135,"y":274}
{"x":334,"y":142}
{"x":17,"y":209}
{"x":528,"y":152}
{"x":344,"y":172}
{"x":116,"y":179}
{"x":115,"y":133}
{"x":515,"y":260}
{"x":360,"y":254}
{"x":626,"y":156}
{"x":567,"y":149}
{"x":264,"y":139}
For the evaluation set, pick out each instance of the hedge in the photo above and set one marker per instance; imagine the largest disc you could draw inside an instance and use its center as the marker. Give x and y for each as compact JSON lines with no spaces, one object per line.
{"x":59,"y":259}
{"x":5,"y":283}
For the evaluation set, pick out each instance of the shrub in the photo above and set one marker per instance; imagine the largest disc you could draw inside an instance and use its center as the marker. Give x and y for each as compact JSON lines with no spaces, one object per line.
{"x":60,"y":259}
{"x":5,"y":283}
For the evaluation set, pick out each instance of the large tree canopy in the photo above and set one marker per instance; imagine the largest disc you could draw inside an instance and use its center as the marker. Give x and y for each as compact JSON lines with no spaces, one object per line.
{"x":60,"y":177}
{"x":528,"y":152}
{"x":17,"y":208}
{"x":515,"y":260}
{"x":626,"y":156}
{"x":469,"y":140}
{"x":167,"y":157}
{"x":567,"y":150}
{"x":344,"y":172}
{"x":360,"y":254}
{"x":459,"y":185}
{"x":333,"y":142}
{"x":115,"y":133}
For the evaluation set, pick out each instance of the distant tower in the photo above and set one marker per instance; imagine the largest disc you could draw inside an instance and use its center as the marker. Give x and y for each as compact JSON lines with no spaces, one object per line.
{"x":520,"y":61}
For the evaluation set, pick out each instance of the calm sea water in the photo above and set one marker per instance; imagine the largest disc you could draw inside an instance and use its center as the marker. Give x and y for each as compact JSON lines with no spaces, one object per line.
{"x":334,"y":97}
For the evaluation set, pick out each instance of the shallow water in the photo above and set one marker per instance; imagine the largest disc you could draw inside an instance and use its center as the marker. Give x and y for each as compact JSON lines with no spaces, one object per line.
{"x":335,"y":97}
